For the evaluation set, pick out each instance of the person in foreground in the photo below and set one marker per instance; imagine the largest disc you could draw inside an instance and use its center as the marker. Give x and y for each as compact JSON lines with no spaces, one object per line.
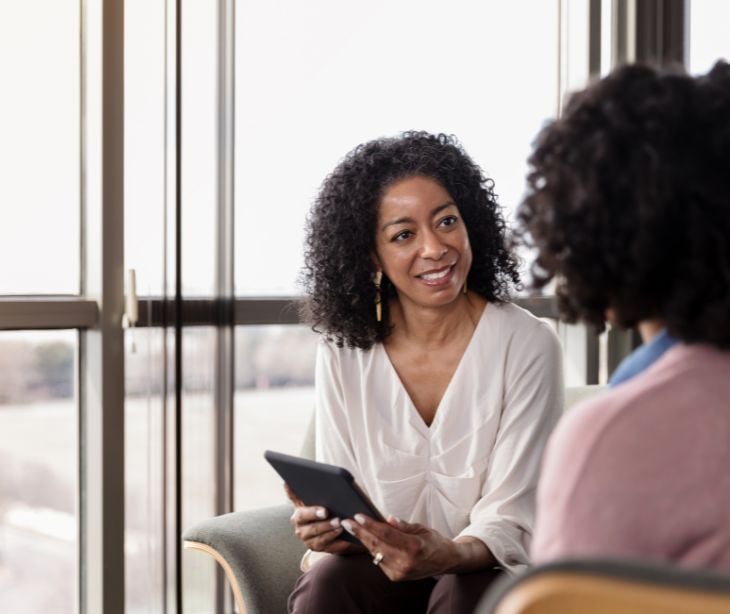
{"x":629,"y":209}
{"x":433,"y":390}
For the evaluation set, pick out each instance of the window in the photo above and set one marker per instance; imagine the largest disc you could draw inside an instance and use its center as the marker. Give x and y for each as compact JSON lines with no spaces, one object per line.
{"x":708,"y":41}
{"x":145,"y":479}
{"x":200,"y":162}
{"x":311,"y":81}
{"x":39,"y":485}
{"x":39,"y":63}
{"x":274,"y":402}
{"x":315,"y":79}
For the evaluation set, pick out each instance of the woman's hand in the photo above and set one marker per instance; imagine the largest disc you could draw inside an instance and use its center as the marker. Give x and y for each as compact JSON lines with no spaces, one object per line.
{"x":312,"y":525}
{"x":409,"y":551}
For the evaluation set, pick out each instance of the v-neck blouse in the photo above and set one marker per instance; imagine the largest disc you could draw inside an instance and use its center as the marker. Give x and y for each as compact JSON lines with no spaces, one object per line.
{"x":473,"y":471}
{"x":414,"y":416}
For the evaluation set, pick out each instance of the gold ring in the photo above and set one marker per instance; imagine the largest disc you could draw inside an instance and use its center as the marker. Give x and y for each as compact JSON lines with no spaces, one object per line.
{"x":377,"y":558}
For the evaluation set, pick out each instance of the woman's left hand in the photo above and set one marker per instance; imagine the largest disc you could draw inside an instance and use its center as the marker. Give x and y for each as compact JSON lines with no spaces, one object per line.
{"x":405,"y":551}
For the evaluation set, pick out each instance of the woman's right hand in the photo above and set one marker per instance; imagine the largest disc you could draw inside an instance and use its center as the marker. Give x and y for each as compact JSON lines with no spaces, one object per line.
{"x":317,"y":531}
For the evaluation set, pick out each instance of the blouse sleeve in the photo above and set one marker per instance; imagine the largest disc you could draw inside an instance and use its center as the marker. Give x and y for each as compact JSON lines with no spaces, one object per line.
{"x":503,"y":517}
{"x":332,"y":435}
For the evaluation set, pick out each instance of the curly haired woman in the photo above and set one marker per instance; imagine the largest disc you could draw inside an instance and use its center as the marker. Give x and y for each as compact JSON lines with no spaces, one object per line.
{"x":433,"y":390}
{"x":629,"y":209}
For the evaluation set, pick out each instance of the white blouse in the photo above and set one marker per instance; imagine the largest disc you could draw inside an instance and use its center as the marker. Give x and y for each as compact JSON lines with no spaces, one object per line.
{"x":474,"y":470}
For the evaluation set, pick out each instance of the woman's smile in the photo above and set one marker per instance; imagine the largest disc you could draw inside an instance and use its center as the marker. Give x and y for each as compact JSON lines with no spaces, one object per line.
{"x":437,"y":277}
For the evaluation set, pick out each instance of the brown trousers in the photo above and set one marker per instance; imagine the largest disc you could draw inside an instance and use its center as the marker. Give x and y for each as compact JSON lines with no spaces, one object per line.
{"x":353,"y":585}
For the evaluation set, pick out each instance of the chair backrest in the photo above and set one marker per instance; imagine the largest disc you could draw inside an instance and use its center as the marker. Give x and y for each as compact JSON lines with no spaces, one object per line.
{"x":307,"y":450}
{"x":576,"y":394}
{"x":609,"y":587}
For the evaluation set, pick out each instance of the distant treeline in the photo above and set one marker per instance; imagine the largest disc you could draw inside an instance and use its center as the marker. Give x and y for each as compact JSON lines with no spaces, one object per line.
{"x":265,"y":356}
{"x":31,"y":371}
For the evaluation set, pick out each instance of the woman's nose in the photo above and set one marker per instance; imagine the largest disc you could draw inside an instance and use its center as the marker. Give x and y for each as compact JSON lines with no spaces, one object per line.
{"x":432,"y":247}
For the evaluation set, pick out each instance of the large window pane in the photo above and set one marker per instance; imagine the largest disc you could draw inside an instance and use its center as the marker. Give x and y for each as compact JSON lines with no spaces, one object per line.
{"x":145,"y":470}
{"x":198,"y":462}
{"x":144,"y":144}
{"x":39,"y":147}
{"x":273,"y":406}
{"x":314,"y":79}
{"x":39,"y":476}
{"x":708,"y":34}
{"x":199,"y":145}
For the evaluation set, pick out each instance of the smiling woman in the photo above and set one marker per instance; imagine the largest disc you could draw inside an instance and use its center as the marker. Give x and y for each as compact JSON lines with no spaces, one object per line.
{"x":433,"y":390}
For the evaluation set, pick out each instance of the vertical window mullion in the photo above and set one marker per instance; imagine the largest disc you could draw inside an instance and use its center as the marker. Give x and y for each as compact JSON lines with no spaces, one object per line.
{"x":224,"y":352}
{"x":102,"y":348}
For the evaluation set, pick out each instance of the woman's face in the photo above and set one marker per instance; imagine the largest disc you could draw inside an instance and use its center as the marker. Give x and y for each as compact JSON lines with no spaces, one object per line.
{"x":421,"y":242}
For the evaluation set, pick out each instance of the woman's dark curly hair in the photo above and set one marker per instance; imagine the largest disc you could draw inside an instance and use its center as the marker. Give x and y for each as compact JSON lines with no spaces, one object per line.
{"x":628,"y":203}
{"x":338,"y":271}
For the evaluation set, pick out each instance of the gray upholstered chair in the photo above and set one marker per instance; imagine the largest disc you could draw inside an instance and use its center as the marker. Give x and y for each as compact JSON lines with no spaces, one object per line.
{"x":257,"y":549}
{"x":609,"y":587}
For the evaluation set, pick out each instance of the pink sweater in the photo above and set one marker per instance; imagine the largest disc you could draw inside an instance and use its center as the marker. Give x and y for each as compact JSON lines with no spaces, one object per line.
{"x":643,"y":471}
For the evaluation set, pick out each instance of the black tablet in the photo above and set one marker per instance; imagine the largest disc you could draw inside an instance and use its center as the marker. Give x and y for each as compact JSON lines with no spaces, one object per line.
{"x":326,"y":485}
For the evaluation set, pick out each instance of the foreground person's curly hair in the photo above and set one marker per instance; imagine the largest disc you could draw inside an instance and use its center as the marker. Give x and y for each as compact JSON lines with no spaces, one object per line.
{"x":338,"y":271}
{"x":629,"y":202}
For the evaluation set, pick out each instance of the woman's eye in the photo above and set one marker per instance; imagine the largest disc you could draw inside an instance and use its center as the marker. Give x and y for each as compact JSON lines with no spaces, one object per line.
{"x":402,"y":236}
{"x":449,"y":220}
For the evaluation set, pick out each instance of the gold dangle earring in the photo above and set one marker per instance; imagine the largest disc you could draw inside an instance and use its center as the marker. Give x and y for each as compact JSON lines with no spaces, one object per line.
{"x":377,"y":279}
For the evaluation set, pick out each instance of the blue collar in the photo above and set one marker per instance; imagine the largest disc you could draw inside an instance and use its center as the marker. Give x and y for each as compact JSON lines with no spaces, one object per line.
{"x":642,"y":357}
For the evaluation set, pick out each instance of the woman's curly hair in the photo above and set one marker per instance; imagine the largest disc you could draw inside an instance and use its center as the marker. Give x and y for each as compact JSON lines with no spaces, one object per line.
{"x":340,"y":242}
{"x":628,"y":202}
